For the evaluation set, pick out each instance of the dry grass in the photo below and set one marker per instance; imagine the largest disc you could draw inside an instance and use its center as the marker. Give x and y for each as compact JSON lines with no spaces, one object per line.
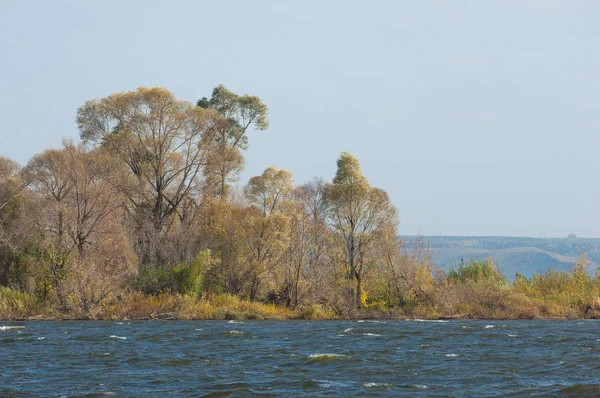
{"x":15,"y":304}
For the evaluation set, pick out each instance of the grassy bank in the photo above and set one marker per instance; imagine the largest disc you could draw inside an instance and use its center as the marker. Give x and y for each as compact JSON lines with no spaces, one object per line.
{"x":474,"y":300}
{"x":16,"y":305}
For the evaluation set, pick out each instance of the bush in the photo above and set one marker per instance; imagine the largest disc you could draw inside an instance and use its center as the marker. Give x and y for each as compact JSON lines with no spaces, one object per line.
{"x":15,"y":304}
{"x":179,"y":278}
{"x":478,"y":270}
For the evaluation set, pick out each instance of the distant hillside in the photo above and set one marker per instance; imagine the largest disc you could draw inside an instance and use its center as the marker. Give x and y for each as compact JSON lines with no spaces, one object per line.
{"x":524,"y":255}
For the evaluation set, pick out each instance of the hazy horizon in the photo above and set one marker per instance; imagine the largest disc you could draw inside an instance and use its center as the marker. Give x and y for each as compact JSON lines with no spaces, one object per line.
{"x":478,"y":118}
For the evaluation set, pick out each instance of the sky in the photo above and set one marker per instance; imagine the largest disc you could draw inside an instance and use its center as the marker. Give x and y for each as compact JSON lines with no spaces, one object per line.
{"x":477,"y":117}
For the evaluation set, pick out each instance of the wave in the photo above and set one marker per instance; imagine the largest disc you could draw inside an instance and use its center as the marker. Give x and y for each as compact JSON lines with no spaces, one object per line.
{"x":451,"y":355}
{"x":513,"y":335}
{"x":489,"y":326}
{"x":236,"y":322}
{"x":324,"y":357}
{"x":112,"y":336}
{"x":428,"y":320}
{"x":371,"y":385}
{"x":329,"y":383}
{"x":371,"y":334}
{"x":235,"y":332}
{"x":347,"y":330}
{"x":100,"y":354}
{"x":4,"y":328}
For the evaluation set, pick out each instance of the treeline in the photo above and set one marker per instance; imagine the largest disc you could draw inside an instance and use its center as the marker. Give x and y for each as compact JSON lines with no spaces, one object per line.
{"x":142,"y":219}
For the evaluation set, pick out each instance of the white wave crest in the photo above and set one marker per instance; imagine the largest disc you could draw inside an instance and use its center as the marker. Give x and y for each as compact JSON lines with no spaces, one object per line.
{"x":347,"y":330}
{"x":41,"y":338}
{"x":370,"y":385}
{"x":512,"y":335}
{"x":112,"y":336}
{"x":235,"y":332}
{"x":489,"y":326}
{"x":3,"y":328}
{"x":451,"y":355}
{"x":237,"y":322}
{"x":431,"y":320}
{"x":326,"y":355}
{"x":371,"y":334}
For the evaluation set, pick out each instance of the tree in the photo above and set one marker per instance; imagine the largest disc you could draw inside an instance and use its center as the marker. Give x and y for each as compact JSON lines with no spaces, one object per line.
{"x":93,"y":199}
{"x":357,"y":211}
{"x":19,"y":233}
{"x":49,"y":173}
{"x":165,"y":142}
{"x":241,"y":112}
{"x":12,"y":181}
{"x":50,"y":176}
{"x":265,"y":226}
{"x":269,"y":190}
{"x":308,"y":237}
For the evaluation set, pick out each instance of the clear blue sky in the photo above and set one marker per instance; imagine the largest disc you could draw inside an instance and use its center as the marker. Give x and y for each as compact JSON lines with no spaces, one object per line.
{"x":478,"y":117}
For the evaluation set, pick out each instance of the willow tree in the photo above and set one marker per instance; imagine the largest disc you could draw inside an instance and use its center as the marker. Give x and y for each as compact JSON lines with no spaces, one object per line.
{"x":166,"y":144}
{"x":242,"y":113}
{"x":357,"y":212}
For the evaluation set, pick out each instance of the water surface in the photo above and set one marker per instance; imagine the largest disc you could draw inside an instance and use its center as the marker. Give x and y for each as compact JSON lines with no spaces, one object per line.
{"x":316,"y":358}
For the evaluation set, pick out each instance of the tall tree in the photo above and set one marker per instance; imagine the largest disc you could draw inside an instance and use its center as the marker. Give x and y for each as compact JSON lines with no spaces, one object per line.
{"x":165,"y":142}
{"x":357,"y":212}
{"x":242,"y":113}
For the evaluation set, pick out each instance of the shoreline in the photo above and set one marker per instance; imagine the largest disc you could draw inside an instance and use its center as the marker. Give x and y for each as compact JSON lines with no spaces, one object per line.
{"x":41,"y":318}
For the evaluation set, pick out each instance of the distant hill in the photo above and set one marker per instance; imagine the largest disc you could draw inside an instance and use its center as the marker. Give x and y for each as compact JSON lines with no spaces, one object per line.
{"x":524,"y":255}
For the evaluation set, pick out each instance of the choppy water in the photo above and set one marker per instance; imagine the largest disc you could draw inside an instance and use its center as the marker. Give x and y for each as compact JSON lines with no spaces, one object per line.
{"x":318,"y":358}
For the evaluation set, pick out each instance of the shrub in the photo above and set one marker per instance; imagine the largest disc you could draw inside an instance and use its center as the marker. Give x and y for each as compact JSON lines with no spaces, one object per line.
{"x":478,"y":270}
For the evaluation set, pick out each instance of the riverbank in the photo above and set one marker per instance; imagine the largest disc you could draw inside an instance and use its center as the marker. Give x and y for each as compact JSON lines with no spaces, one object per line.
{"x":15,"y":305}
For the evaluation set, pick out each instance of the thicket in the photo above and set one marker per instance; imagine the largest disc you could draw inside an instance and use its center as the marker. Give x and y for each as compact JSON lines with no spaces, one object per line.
{"x":141,"y":219}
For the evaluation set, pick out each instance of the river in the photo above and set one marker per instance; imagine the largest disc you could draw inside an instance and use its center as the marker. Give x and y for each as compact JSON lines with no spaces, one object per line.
{"x":315,"y":358}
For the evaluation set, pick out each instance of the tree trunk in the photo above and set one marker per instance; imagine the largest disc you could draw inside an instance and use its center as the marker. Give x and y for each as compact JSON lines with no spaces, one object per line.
{"x":358,"y":292}
{"x":351,"y":251}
